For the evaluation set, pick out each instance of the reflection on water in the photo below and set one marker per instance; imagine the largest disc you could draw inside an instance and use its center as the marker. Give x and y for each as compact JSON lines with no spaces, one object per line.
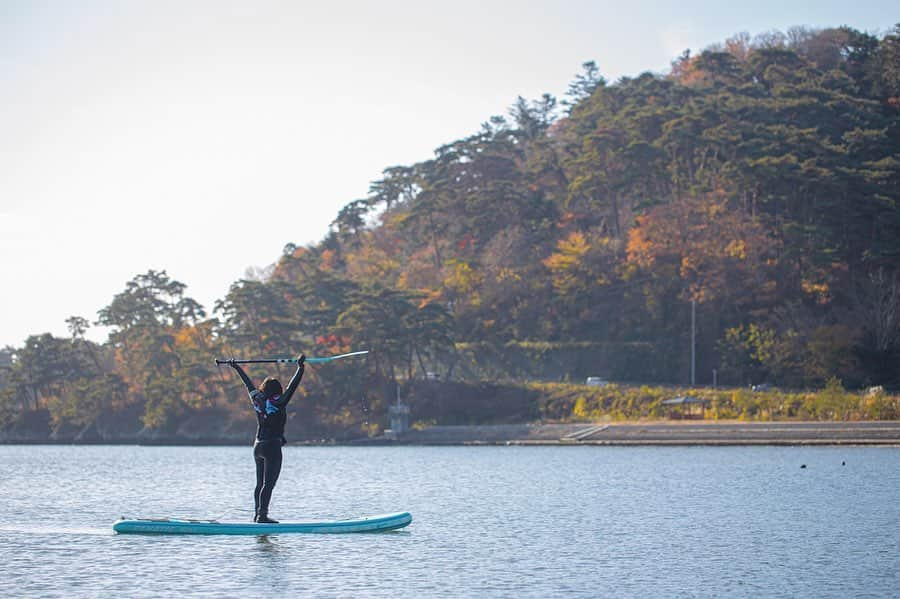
{"x":488,"y":521}
{"x":265,"y":544}
{"x":268,"y":564}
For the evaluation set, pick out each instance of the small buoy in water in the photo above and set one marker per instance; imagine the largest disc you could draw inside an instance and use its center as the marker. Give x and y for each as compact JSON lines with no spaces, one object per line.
{"x":843,"y":463}
{"x":803,"y":465}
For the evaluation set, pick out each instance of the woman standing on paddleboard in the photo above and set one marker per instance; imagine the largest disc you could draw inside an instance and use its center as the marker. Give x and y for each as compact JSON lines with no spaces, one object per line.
{"x":269,"y":402}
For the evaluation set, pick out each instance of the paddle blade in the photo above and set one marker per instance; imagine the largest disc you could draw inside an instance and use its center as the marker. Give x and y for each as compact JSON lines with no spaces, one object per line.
{"x":332,"y":358}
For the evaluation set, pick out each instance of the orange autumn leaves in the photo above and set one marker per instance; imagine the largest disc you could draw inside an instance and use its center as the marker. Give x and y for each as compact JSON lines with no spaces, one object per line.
{"x":570,"y":265}
{"x":715,"y":251}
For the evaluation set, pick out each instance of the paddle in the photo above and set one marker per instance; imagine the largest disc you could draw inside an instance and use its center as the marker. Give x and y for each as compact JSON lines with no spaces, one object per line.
{"x":292,"y":360}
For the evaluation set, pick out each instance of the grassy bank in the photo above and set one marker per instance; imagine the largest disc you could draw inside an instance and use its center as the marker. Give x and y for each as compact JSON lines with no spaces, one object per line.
{"x":566,"y":402}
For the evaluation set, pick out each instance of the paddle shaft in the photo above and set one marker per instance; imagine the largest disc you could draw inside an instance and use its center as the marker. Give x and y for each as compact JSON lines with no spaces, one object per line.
{"x":263,"y":361}
{"x":291,"y":360}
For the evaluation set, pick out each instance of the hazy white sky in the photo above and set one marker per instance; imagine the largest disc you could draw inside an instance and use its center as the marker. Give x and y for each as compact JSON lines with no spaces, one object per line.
{"x":139,"y":135}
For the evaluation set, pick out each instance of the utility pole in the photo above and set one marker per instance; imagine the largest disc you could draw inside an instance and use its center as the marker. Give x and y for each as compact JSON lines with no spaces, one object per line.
{"x":693,"y":342}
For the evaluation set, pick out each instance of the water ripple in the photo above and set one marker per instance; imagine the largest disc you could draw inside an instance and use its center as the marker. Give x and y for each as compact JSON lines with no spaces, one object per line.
{"x":488,"y":521}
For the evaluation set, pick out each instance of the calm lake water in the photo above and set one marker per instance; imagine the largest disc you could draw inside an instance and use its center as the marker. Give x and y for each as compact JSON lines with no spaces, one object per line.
{"x":488,"y":521}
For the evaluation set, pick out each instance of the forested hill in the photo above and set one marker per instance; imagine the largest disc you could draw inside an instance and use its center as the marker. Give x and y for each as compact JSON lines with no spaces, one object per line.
{"x":758,"y":181}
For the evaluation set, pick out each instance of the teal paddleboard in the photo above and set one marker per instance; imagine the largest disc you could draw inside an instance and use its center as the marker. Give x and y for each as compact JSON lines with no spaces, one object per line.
{"x":174,"y":526}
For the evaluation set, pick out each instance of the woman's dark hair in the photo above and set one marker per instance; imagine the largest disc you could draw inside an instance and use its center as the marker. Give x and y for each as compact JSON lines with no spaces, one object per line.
{"x":271,"y":387}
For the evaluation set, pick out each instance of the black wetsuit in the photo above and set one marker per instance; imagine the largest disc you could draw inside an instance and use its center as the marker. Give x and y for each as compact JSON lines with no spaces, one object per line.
{"x":270,"y":418}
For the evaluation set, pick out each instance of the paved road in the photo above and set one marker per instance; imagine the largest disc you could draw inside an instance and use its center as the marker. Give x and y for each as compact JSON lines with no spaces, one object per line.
{"x":664,"y":433}
{"x":750,"y":433}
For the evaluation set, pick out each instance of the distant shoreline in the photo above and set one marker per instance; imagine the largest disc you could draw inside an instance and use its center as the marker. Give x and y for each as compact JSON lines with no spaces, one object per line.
{"x":650,"y":433}
{"x":661,"y":433}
